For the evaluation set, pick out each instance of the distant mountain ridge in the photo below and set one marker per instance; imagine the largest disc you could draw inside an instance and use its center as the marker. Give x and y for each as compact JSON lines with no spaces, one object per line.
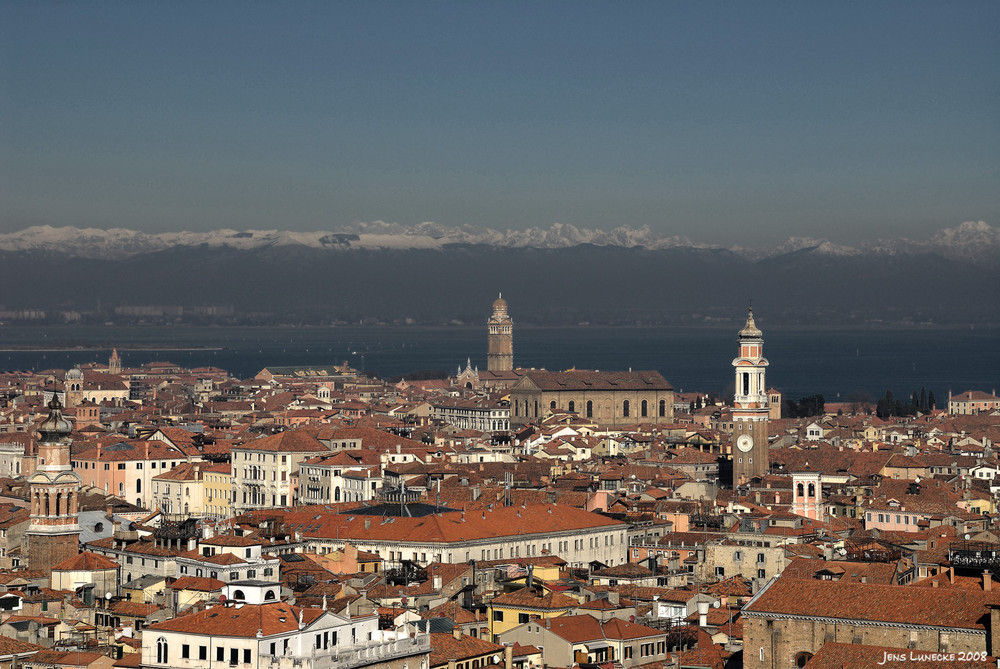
{"x":974,"y":241}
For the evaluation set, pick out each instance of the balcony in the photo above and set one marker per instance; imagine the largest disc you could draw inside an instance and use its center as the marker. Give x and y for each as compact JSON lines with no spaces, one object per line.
{"x":351,"y":656}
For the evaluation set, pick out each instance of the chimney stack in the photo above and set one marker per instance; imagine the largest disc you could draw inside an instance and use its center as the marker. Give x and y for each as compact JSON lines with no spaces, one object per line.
{"x":987,"y":581}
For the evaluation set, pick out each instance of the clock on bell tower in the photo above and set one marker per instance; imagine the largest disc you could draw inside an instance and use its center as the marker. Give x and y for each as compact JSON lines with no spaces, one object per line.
{"x":750,"y":408}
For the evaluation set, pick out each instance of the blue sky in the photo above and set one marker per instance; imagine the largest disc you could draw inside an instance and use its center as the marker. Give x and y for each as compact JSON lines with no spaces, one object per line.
{"x":725,"y":122}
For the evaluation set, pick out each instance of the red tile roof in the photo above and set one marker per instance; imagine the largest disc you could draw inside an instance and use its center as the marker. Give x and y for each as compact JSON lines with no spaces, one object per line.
{"x":958,"y":608}
{"x":242,"y":621}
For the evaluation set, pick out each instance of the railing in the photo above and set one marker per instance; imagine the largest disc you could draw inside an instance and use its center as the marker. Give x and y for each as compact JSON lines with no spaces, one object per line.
{"x":349,"y":657}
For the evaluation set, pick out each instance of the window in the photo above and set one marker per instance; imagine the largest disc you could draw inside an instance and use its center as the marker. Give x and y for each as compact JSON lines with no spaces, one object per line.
{"x":626,"y":409}
{"x":202,"y":652}
{"x":590,"y":408}
{"x":720,"y":571}
{"x":121,"y":465}
{"x":644,"y":409}
{"x":220,"y":654}
{"x":107,"y":466}
{"x":522,"y":618}
{"x":663,"y":408}
{"x":162,"y":654}
{"x":498,"y":616}
{"x":246,"y":656}
{"x":185,"y":651}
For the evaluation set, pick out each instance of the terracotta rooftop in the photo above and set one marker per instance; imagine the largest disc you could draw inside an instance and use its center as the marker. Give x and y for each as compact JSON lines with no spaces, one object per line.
{"x":958,"y":608}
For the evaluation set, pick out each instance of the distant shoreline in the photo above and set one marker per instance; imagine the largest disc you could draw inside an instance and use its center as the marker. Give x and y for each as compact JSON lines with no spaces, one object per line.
{"x":69,"y":349}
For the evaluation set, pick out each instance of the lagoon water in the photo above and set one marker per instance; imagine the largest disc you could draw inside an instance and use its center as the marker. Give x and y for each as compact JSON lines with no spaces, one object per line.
{"x":834,"y":363}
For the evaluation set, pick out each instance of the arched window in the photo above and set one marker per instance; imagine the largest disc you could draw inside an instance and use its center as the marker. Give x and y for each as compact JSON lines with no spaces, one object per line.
{"x":552,"y":405}
{"x":663,"y":408}
{"x":269,"y":595}
{"x":121,"y":487}
{"x":626,"y":410}
{"x":138,"y":485}
{"x":590,"y":408}
{"x":187,"y":491}
{"x":644,"y":409}
{"x":238,"y":594}
{"x":336,"y":494}
{"x":799,"y":490}
{"x":162,"y":654}
{"x":812,"y":489}
{"x":536,"y":408}
{"x":802,"y":658}
{"x":572,"y":405}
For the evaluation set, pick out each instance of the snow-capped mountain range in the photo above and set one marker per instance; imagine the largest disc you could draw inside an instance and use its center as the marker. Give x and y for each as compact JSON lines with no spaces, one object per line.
{"x":974,"y":240}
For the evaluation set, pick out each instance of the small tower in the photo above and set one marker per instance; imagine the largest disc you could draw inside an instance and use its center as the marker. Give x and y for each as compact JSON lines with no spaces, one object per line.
{"x":53,"y":533}
{"x":114,"y":362}
{"x":750,"y":407}
{"x":73,"y":382}
{"x":500,"y":349}
{"x":807,"y":494}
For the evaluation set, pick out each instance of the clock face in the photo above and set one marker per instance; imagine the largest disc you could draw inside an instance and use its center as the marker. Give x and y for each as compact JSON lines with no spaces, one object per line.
{"x":744,"y":443}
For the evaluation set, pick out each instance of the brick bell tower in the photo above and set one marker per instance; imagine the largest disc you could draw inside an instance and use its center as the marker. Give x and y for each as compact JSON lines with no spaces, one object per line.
{"x":53,"y":533}
{"x":500,"y":340}
{"x":750,"y":408}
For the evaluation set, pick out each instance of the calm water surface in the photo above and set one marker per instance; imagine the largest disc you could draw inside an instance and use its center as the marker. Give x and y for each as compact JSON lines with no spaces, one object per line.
{"x":802,"y":362}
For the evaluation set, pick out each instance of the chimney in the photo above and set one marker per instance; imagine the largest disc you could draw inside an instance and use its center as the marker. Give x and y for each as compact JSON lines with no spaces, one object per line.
{"x":702,"y":614}
{"x":951,"y":575}
{"x":457,"y":632}
{"x":437,"y":582}
{"x":987,"y":581}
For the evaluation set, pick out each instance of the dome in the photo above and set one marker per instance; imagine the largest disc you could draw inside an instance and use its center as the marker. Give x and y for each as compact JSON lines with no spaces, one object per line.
{"x":500,"y":304}
{"x":750,"y":330}
{"x":55,"y":426}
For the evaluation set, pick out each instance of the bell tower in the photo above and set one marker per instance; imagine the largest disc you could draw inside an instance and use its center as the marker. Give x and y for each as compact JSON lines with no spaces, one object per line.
{"x":750,"y":407}
{"x":500,"y":340}
{"x":114,"y":362}
{"x":53,"y":533}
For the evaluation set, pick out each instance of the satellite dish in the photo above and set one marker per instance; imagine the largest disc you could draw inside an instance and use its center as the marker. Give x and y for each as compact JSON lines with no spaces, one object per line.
{"x":631,"y":619}
{"x":222,"y":598}
{"x":107,"y":595}
{"x":967,"y":536}
{"x":716,"y":604}
{"x":496,"y":659}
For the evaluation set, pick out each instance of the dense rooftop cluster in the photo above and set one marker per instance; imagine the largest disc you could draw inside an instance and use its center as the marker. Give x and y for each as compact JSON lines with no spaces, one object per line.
{"x":321,"y":518}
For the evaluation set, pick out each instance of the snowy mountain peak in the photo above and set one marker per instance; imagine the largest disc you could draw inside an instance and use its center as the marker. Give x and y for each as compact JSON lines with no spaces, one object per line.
{"x":973,"y":239}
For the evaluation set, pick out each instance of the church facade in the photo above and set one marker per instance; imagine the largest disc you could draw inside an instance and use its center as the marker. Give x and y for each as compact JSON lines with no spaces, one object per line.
{"x":611,"y":399}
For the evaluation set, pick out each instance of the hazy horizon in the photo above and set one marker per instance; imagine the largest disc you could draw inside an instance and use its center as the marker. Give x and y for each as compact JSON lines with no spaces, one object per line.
{"x":727,"y":124}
